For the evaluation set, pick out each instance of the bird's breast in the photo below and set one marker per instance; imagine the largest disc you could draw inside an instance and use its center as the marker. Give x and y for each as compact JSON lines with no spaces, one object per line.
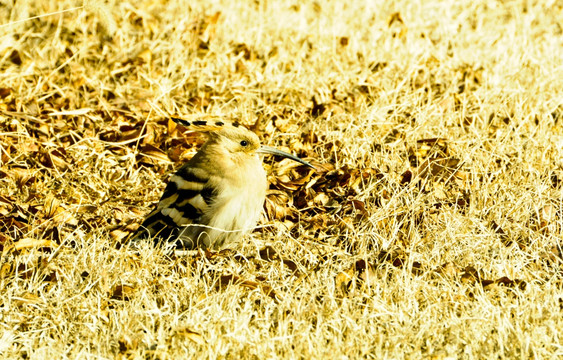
{"x":240,"y":206}
{"x":236,"y":207}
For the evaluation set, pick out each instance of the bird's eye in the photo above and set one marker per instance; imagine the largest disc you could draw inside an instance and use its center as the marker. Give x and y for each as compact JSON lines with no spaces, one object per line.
{"x":244,"y":143}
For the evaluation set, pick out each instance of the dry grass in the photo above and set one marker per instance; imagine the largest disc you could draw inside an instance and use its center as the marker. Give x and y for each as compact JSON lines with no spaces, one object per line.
{"x":434,"y":230}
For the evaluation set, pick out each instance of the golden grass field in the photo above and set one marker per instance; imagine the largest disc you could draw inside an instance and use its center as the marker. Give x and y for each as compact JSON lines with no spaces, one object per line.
{"x":432,"y":227}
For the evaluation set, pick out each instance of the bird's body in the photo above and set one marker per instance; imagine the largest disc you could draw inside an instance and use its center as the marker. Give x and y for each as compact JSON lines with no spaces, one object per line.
{"x":217,"y":196}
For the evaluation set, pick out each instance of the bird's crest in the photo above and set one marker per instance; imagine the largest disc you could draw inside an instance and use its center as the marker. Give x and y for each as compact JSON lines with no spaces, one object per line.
{"x":208,"y":124}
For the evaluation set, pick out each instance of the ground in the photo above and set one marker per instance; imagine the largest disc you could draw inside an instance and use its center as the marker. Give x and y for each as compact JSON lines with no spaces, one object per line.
{"x":431,"y":228}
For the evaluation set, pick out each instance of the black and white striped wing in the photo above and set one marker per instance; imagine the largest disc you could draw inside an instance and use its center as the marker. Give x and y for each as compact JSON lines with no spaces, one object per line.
{"x":185,"y":199}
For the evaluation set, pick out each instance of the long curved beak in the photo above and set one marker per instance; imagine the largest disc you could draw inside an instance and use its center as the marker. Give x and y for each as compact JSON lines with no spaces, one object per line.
{"x":273,"y":151}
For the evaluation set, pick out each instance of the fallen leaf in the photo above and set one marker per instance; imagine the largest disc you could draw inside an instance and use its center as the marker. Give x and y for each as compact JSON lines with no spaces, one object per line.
{"x":186,"y":333}
{"x":278,"y":204}
{"x":27,"y":243}
{"x":25,"y":299}
{"x":51,"y":206}
{"x":394,"y":17}
{"x":443,"y":167}
{"x":235,"y":280}
{"x":449,"y":269}
{"x":122,"y":292}
{"x":268,"y":253}
{"x":470,"y":275}
{"x":118,"y":235}
{"x":547,"y":215}
{"x":153,"y":155}
{"x":343,"y":280}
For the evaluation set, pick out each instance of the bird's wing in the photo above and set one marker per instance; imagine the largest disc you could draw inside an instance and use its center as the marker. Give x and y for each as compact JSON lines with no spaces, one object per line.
{"x":186,"y":197}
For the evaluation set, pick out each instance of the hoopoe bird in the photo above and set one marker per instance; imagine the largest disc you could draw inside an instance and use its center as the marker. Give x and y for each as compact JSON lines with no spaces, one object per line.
{"x":217,"y":196}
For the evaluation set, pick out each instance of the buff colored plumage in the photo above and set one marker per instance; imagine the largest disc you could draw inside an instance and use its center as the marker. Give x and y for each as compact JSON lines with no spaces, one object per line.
{"x":217,"y":196}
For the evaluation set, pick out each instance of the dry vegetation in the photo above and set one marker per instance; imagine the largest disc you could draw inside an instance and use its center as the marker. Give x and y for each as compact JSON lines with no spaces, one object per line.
{"x":432,"y":229}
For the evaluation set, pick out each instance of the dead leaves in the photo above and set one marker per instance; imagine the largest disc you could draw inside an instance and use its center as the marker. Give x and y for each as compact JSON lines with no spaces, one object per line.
{"x":435,"y":170}
{"x":266,"y":256}
{"x":249,"y":274}
{"x":322,"y":200}
{"x":55,"y":159}
{"x":363,"y":275}
{"x":37,"y":268}
{"x":59,"y":165}
{"x":226,"y":280}
{"x":36,"y":216}
{"x":471,"y":276}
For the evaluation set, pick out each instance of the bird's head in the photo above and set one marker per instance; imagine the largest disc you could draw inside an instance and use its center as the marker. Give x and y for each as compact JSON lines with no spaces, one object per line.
{"x":235,"y":141}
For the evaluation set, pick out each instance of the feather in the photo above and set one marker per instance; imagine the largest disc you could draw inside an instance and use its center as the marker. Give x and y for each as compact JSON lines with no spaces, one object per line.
{"x":217,"y":196}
